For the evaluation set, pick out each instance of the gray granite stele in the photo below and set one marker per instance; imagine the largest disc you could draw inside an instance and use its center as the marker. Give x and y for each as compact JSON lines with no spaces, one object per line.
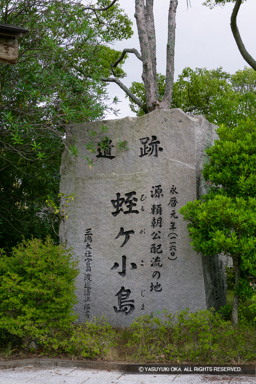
{"x":124,"y":225}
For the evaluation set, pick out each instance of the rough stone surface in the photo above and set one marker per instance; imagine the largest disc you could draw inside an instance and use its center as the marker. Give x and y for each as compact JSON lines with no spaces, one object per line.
{"x":124,"y":224}
{"x":8,"y":49}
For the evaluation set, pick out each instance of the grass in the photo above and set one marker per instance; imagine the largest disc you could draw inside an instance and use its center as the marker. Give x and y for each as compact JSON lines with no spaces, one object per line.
{"x":202,"y":337}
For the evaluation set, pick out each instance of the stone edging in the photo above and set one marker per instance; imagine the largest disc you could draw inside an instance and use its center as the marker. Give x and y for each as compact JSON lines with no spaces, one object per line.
{"x":86,"y":364}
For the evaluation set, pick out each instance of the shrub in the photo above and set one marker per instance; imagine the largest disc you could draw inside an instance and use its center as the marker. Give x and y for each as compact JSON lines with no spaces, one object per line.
{"x":202,"y":336}
{"x":230,"y":275}
{"x":89,"y":340}
{"x":37,"y":290}
{"x":252,"y":308}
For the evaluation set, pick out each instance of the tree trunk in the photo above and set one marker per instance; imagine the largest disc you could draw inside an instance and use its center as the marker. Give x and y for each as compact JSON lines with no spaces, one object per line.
{"x":146,"y":31}
{"x":236,"y":297}
{"x":152,"y":40}
{"x":144,"y":16}
{"x":167,"y":100}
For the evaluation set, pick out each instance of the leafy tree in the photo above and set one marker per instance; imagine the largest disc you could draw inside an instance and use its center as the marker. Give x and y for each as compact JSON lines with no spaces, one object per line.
{"x":222,"y":98}
{"x":144,"y":15}
{"x":55,"y":82}
{"x":224,"y":220}
{"x":138,"y":90}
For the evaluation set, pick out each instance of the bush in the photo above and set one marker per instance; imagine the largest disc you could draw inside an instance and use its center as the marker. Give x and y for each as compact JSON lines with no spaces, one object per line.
{"x":37,"y":290}
{"x":246,"y":310}
{"x":230,"y":275}
{"x":89,"y":340}
{"x":202,"y":336}
{"x":252,"y":309}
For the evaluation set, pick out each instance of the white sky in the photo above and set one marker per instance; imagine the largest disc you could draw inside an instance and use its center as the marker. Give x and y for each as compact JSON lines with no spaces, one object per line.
{"x":203,"y":39}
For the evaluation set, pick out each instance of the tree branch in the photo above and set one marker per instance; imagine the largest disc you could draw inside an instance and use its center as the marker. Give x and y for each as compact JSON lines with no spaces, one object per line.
{"x":100,"y":9}
{"x":126,"y":50}
{"x":126,"y":90}
{"x":141,"y":16}
{"x":170,"y":53}
{"x":248,"y":58}
{"x":95,"y":10}
{"x":150,"y":25}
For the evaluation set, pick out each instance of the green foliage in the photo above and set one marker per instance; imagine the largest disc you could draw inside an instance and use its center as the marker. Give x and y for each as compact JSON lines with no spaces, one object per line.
{"x":252,"y":307}
{"x":57,"y":211}
{"x":233,"y":160}
{"x":221,"y":224}
{"x":247,"y":312}
{"x":205,"y":92}
{"x":138,"y":89}
{"x":230,"y":278}
{"x":149,"y":344}
{"x":218,"y":96}
{"x":202,"y":337}
{"x":122,"y":145}
{"x":224,"y":220}
{"x":24,"y":188}
{"x":92,"y":339}
{"x":55,"y":82}
{"x":37,"y":290}
{"x":225,"y":311}
{"x":37,"y":294}
{"x":89,"y":340}
{"x":213,"y":3}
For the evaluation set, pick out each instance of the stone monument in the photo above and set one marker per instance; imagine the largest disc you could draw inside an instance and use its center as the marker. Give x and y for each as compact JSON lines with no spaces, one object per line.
{"x":124,"y":225}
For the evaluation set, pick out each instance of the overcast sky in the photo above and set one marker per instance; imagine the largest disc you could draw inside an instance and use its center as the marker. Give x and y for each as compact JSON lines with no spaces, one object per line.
{"x":203,"y":39}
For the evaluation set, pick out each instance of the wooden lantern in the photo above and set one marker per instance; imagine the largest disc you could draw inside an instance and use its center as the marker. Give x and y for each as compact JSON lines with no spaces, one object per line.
{"x":9,"y":35}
